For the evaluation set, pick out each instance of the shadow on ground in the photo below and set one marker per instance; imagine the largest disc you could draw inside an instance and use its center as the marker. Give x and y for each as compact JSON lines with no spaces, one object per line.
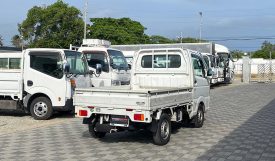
{"x":20,"y":113}
{"x":140,"y":136}
{"x":253,"y":140}
{"x":217,"y":85}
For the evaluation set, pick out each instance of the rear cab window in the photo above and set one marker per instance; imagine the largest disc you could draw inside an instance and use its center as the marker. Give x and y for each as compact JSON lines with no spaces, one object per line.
{"x":10,"y":63}
{"x":161,"y":60}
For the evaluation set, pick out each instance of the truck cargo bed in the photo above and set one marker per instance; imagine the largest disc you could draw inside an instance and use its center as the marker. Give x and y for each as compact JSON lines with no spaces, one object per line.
{"x":124,"y":97}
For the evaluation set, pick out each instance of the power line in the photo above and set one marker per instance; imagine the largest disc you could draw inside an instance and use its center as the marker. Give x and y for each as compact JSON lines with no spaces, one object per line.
{"x":243,"y":39}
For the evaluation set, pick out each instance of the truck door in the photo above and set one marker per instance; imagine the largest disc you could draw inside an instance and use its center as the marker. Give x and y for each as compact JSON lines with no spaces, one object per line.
{"x":43,"y":73}
{"x":201,"y":84}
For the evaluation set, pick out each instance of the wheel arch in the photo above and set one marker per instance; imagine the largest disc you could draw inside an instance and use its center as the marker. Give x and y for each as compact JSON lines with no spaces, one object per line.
{"x":202,"y":105}
{"x":34,"y":96}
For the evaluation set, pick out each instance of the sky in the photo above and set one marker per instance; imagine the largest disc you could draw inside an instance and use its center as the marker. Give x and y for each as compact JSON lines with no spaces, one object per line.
{"x":223,"y":21}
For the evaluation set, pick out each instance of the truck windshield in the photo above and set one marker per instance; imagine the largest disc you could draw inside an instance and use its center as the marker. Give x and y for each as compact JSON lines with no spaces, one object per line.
{"x":223,"y":59}
{"x":206,"y":59}
{"x":224,"y":56}
{"x":78,"y":63}
{"x":118,"y":60}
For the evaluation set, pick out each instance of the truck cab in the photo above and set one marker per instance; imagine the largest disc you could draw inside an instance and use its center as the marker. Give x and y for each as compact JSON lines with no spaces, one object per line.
{"x":210,"y":62}
{"x":115,"y":69}
{"x":41,"y":81}
{"x":225,"y":62}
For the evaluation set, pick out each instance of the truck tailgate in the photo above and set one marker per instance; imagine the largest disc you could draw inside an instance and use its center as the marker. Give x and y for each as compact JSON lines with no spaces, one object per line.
{"x":145,"y":99}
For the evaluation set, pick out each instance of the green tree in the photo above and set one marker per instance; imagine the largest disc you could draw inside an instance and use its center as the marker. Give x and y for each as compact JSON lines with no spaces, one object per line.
{"x":16,"y":41}
{"x":157,"y":39}
{"x":1,"y":41}
{"x":237,"y":54}
{"x":118,"y":31}
{"x":57,"y":26}
{"x":265,"y":50}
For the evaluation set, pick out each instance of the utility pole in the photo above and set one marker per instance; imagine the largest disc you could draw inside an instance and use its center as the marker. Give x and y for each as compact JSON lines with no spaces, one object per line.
{"x":180,"y":37}
{"x":85,"y":18}
{"x":200,"y":24}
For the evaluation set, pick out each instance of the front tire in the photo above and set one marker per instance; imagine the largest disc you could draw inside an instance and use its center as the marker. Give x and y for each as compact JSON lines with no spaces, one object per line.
{"x":93,"y":132}
{"x":41,"y":108}
{"x":163,"y":133}
{"x":199,"y":118}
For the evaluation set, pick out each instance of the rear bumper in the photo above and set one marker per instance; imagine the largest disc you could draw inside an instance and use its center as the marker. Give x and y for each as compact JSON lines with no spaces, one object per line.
{"x":214,"y":80}
{"x":85,"y":112}
{"x":220,"y":79}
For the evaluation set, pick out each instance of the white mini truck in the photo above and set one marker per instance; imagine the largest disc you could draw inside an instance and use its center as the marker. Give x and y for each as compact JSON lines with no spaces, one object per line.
{"x":41,"y":81}
{"x":167,"y":85}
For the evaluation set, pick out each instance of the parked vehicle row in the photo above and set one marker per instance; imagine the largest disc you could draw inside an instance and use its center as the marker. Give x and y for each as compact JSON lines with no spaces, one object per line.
{"x":163,"y":84}
{"x":217,"y":57}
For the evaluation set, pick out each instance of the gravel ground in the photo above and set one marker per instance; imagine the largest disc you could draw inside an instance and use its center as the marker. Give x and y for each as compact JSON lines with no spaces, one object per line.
{"x":15,"y":121}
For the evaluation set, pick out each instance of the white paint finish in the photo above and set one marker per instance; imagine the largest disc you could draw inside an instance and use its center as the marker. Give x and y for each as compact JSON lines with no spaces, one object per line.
{"x":13,"y":80}
{"x":106,"y":78}
{"x":150,"y":89}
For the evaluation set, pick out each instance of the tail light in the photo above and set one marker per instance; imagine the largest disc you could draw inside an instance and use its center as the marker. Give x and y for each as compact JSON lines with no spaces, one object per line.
{"x":139,"y":117}
{"x":83,"y":113}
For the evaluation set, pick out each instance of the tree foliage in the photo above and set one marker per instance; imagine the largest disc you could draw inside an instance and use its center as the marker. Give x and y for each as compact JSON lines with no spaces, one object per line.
{"x":237,"y":54}
{"x":56,"y":26}
{"x":118,"y":31}
{"x":125,"y":31}
{"x":265,"y":50}
{"x":156,"y":39}
{"x":16,"y":41}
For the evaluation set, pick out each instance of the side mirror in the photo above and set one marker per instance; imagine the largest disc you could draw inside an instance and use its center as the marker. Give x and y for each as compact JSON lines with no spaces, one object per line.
{"x":98,"y":68}
{"x":209,"y":72}
{"x":67,"y":68}
{"x":91,"y":72}
{"x":129,"y":66}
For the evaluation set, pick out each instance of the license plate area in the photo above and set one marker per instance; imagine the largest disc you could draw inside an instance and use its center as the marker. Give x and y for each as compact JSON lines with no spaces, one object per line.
{"x":117,"y":120}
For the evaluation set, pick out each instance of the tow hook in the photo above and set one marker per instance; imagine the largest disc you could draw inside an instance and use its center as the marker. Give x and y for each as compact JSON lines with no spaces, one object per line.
{"x":113,"y":130}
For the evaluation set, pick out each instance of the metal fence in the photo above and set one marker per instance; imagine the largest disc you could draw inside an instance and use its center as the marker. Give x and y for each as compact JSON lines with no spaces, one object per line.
{"x":265,"y":73}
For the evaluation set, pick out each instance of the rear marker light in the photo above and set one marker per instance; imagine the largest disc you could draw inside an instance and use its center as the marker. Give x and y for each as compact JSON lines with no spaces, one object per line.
{"x":139,"y":117}
{"x":91,"y":107}
{"x":83,"y":113}
{"x":129,"y":109}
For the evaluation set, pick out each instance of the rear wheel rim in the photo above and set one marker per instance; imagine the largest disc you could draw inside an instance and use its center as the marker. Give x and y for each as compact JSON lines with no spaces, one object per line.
{"x":40,"y":109}
{"x":164,"y":129}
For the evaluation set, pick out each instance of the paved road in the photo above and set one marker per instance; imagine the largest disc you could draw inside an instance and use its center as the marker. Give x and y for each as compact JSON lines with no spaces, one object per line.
{"x":239,"y":126}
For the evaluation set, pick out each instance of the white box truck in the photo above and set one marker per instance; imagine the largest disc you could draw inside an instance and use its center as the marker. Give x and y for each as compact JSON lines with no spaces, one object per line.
{"x":222,"y":64}
{"x":41,"y":81}
{"x":168,"y":84}
{"x":115,"y":69}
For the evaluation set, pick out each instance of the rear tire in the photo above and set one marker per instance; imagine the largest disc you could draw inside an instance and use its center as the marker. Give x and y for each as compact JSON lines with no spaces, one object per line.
{"x":163,"y":133}
{"x":93,"y":132}
{"x":41,"y":108}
